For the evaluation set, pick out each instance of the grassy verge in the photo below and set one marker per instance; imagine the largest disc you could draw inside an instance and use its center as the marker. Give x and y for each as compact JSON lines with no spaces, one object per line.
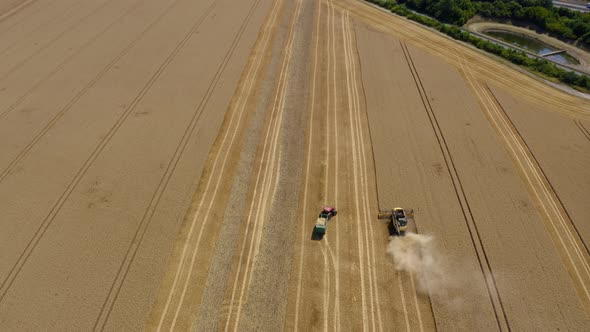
{"x":539,"y":66}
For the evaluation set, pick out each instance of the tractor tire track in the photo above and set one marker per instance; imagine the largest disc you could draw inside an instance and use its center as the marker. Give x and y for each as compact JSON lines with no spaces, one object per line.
{"x":81,"y":93}
{"x":452,"y":52}
{"x":306,"y":181}
{"x":67,"y":61}
{"x":374,"y":162}
{"x":365,"y":169}
{"x":60,"y":16}
{"x":52,"y":40}
{"x":329,"y":138}
{"x":420,"y":35}
{"x":253,"y":71}
{"x":544,"y":175}
{"x":546,"y":178}
{"x":485,"y":266}
{"x":358,"y":185}
{"x":583,"y":129}
{"x":7,"y":283}
{"x":379,"y":206}
{"x":268,"y":160}
{"x":15,"y":10}
{"x":331,"y":108}
{"x":140,"y":232}
{"x":271,"y":162}
{"x":336,"y":265}
{"x":354,"y":105}
{"x":536,"y":180}
{"x":242,"y":28}
{"x":331,"y":89}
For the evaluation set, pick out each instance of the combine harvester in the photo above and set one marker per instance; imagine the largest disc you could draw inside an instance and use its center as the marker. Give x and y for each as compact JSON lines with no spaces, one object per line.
{"x":322,"y":222}
{"x":398,"y":218}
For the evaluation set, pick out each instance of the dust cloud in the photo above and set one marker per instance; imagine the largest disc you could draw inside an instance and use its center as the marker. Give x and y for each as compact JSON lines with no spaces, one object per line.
{"x":417,"y":254}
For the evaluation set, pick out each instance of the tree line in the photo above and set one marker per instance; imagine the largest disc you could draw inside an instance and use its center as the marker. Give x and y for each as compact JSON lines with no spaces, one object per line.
{"x":520,"y":58}
{"x":562,"y":22}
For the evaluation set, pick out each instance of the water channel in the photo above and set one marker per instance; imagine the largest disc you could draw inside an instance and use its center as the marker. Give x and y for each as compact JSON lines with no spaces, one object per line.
{"x":532,"y":45}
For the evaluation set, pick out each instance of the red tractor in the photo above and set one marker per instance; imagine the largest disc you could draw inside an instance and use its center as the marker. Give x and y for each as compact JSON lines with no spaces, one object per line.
{"x":328,"y":212}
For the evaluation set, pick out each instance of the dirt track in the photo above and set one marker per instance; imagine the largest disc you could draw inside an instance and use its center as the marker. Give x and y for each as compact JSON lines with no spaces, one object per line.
{"x":163,"y":163}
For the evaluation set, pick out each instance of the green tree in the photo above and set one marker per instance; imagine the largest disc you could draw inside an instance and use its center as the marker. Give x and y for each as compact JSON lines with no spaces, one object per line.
{"x":454,"y":11}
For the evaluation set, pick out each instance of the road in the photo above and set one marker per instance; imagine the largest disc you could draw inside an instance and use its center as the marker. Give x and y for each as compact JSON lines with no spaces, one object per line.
{"x":164,"y":163}
{"x":579,"y":6}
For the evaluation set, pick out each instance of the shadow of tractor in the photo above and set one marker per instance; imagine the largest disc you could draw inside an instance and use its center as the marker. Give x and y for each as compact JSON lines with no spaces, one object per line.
{"x":315,"y":236}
